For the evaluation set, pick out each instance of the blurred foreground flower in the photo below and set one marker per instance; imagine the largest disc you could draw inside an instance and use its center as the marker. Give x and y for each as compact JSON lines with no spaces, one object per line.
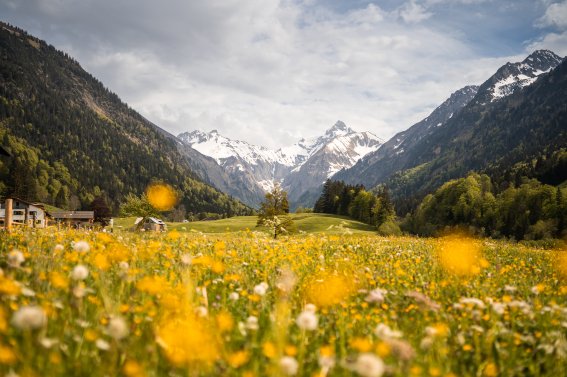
{"x":329,"y":289}
{"x":117,"y":328}
{"x":289,"y":365}
{"x":81,"y":246}
{"x":460,"y":255}
{"x":307,"y":320}
{"x":80,"y":272}
{"x":187,"y":341}
{"x":15,"y":258}
{"x":369,"y":365}
{"x":162,"y":196}
{"x":29,"y":318}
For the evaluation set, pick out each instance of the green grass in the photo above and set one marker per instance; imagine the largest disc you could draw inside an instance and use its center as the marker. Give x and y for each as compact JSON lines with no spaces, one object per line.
{"x":305,"y":222}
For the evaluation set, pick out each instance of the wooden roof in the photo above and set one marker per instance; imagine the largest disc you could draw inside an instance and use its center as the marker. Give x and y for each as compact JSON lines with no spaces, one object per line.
{"x":78,"y":215}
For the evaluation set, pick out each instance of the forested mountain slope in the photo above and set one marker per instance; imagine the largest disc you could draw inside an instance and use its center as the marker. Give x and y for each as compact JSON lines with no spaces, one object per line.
{"x":492,"y":136}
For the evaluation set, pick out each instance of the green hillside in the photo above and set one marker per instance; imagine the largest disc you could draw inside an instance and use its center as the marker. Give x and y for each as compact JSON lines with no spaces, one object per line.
{"x":306,"y":222}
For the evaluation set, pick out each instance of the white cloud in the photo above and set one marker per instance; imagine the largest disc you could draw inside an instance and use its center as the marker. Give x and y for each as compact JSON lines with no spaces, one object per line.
{"x":457,"y":1}
{"x":413,"y":12}
{"x":265,"y":71}
{"x":556,"y":42}
{"x":555,"y":16}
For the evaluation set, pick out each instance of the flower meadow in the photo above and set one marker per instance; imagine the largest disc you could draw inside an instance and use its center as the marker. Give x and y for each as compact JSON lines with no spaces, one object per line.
{"x":76,"y":303}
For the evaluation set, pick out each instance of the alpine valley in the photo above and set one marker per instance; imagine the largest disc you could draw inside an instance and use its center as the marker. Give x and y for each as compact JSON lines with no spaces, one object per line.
{"x":71,"y":139}
{"x":474,"y":121}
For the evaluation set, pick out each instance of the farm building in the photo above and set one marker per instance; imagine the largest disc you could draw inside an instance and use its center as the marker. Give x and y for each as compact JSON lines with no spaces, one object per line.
{"x":150,"y":223}
{"x":25,"y":213}
{"x":73,"y":219}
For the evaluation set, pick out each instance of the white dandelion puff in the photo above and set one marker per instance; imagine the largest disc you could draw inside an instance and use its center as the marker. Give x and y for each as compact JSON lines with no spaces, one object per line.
{"x":307,"y":320}
{"x":81,"y":246}
{"x":29,"y":318}
{"x":289,"y":365}
{"x":80,"y":272}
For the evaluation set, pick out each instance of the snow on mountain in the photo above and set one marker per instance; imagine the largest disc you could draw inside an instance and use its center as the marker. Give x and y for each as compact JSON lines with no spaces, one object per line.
{"x":373,"y":167}
{"x":513,"y":76}
{"x":340,"y":147}
{"x":220,"y":148}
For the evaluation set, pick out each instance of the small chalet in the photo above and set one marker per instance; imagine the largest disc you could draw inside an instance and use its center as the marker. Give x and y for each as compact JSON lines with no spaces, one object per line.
{"x":150,"y":223}
{"x":73,"y":219}
{"x":25,"y":213}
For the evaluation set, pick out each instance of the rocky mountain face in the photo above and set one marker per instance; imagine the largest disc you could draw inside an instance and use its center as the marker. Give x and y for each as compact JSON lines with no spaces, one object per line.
{"x":302,"y":167}
{"x":513,"y":76}
{"x":378,"y":165}
{"x":515,"y":114}
{"x":339,"y":148}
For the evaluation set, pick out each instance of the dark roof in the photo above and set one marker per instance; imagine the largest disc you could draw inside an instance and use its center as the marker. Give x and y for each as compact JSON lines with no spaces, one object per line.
{"x":40,"y":205}
{"x":4,"y":152}
{"x":79,"y":215}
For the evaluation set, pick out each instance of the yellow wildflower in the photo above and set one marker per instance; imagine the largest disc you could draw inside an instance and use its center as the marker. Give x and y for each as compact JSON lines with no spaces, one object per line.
{"x":238,"y":359}
{"x":7,"y":356}
{"x":162,"y":196}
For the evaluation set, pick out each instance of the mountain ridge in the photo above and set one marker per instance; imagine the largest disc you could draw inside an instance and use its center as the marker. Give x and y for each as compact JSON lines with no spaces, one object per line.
{"x":260,"y":167}
{"x":485,"y":132}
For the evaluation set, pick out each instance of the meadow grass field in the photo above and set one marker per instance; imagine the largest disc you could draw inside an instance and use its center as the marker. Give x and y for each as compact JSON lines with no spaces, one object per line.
{"x":305,"y":223}
{"x":181,"y":303}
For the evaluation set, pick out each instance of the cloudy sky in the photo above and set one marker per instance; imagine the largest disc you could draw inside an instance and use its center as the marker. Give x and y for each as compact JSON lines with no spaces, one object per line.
{"x":272,"y":71}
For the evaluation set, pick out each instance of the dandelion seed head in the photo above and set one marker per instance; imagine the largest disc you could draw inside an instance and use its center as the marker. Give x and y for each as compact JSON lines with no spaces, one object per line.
{"x":15,"y":258}
{"x":289,"y":366}
{"x":81,"y":246}
{"x":369,"y":365}
{"x":252,"y":323}
{"x":307,"y":320}
{"x":117,"y":328}
{"x":29,"y":318}
{"x":233,"y":296}
{"x":80,"y":272}
{"x":102,"y":345}
{"x":261,"y":289}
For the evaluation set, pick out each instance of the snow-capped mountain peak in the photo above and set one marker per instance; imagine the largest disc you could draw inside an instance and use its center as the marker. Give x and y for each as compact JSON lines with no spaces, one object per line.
{"x":339,"y":147}
{"x":338,"y":129}
{"x":219,"y":147}
{"x":513,"y":76}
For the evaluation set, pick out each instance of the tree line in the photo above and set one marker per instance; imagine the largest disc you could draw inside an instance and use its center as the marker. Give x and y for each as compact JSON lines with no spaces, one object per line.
{"x":370,"y":207}
{"x":529,"y":210}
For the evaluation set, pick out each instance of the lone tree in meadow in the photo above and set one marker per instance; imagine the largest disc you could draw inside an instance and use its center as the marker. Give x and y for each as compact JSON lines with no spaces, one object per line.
{"x":274,"y":212}
{"x":102,"y":213}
